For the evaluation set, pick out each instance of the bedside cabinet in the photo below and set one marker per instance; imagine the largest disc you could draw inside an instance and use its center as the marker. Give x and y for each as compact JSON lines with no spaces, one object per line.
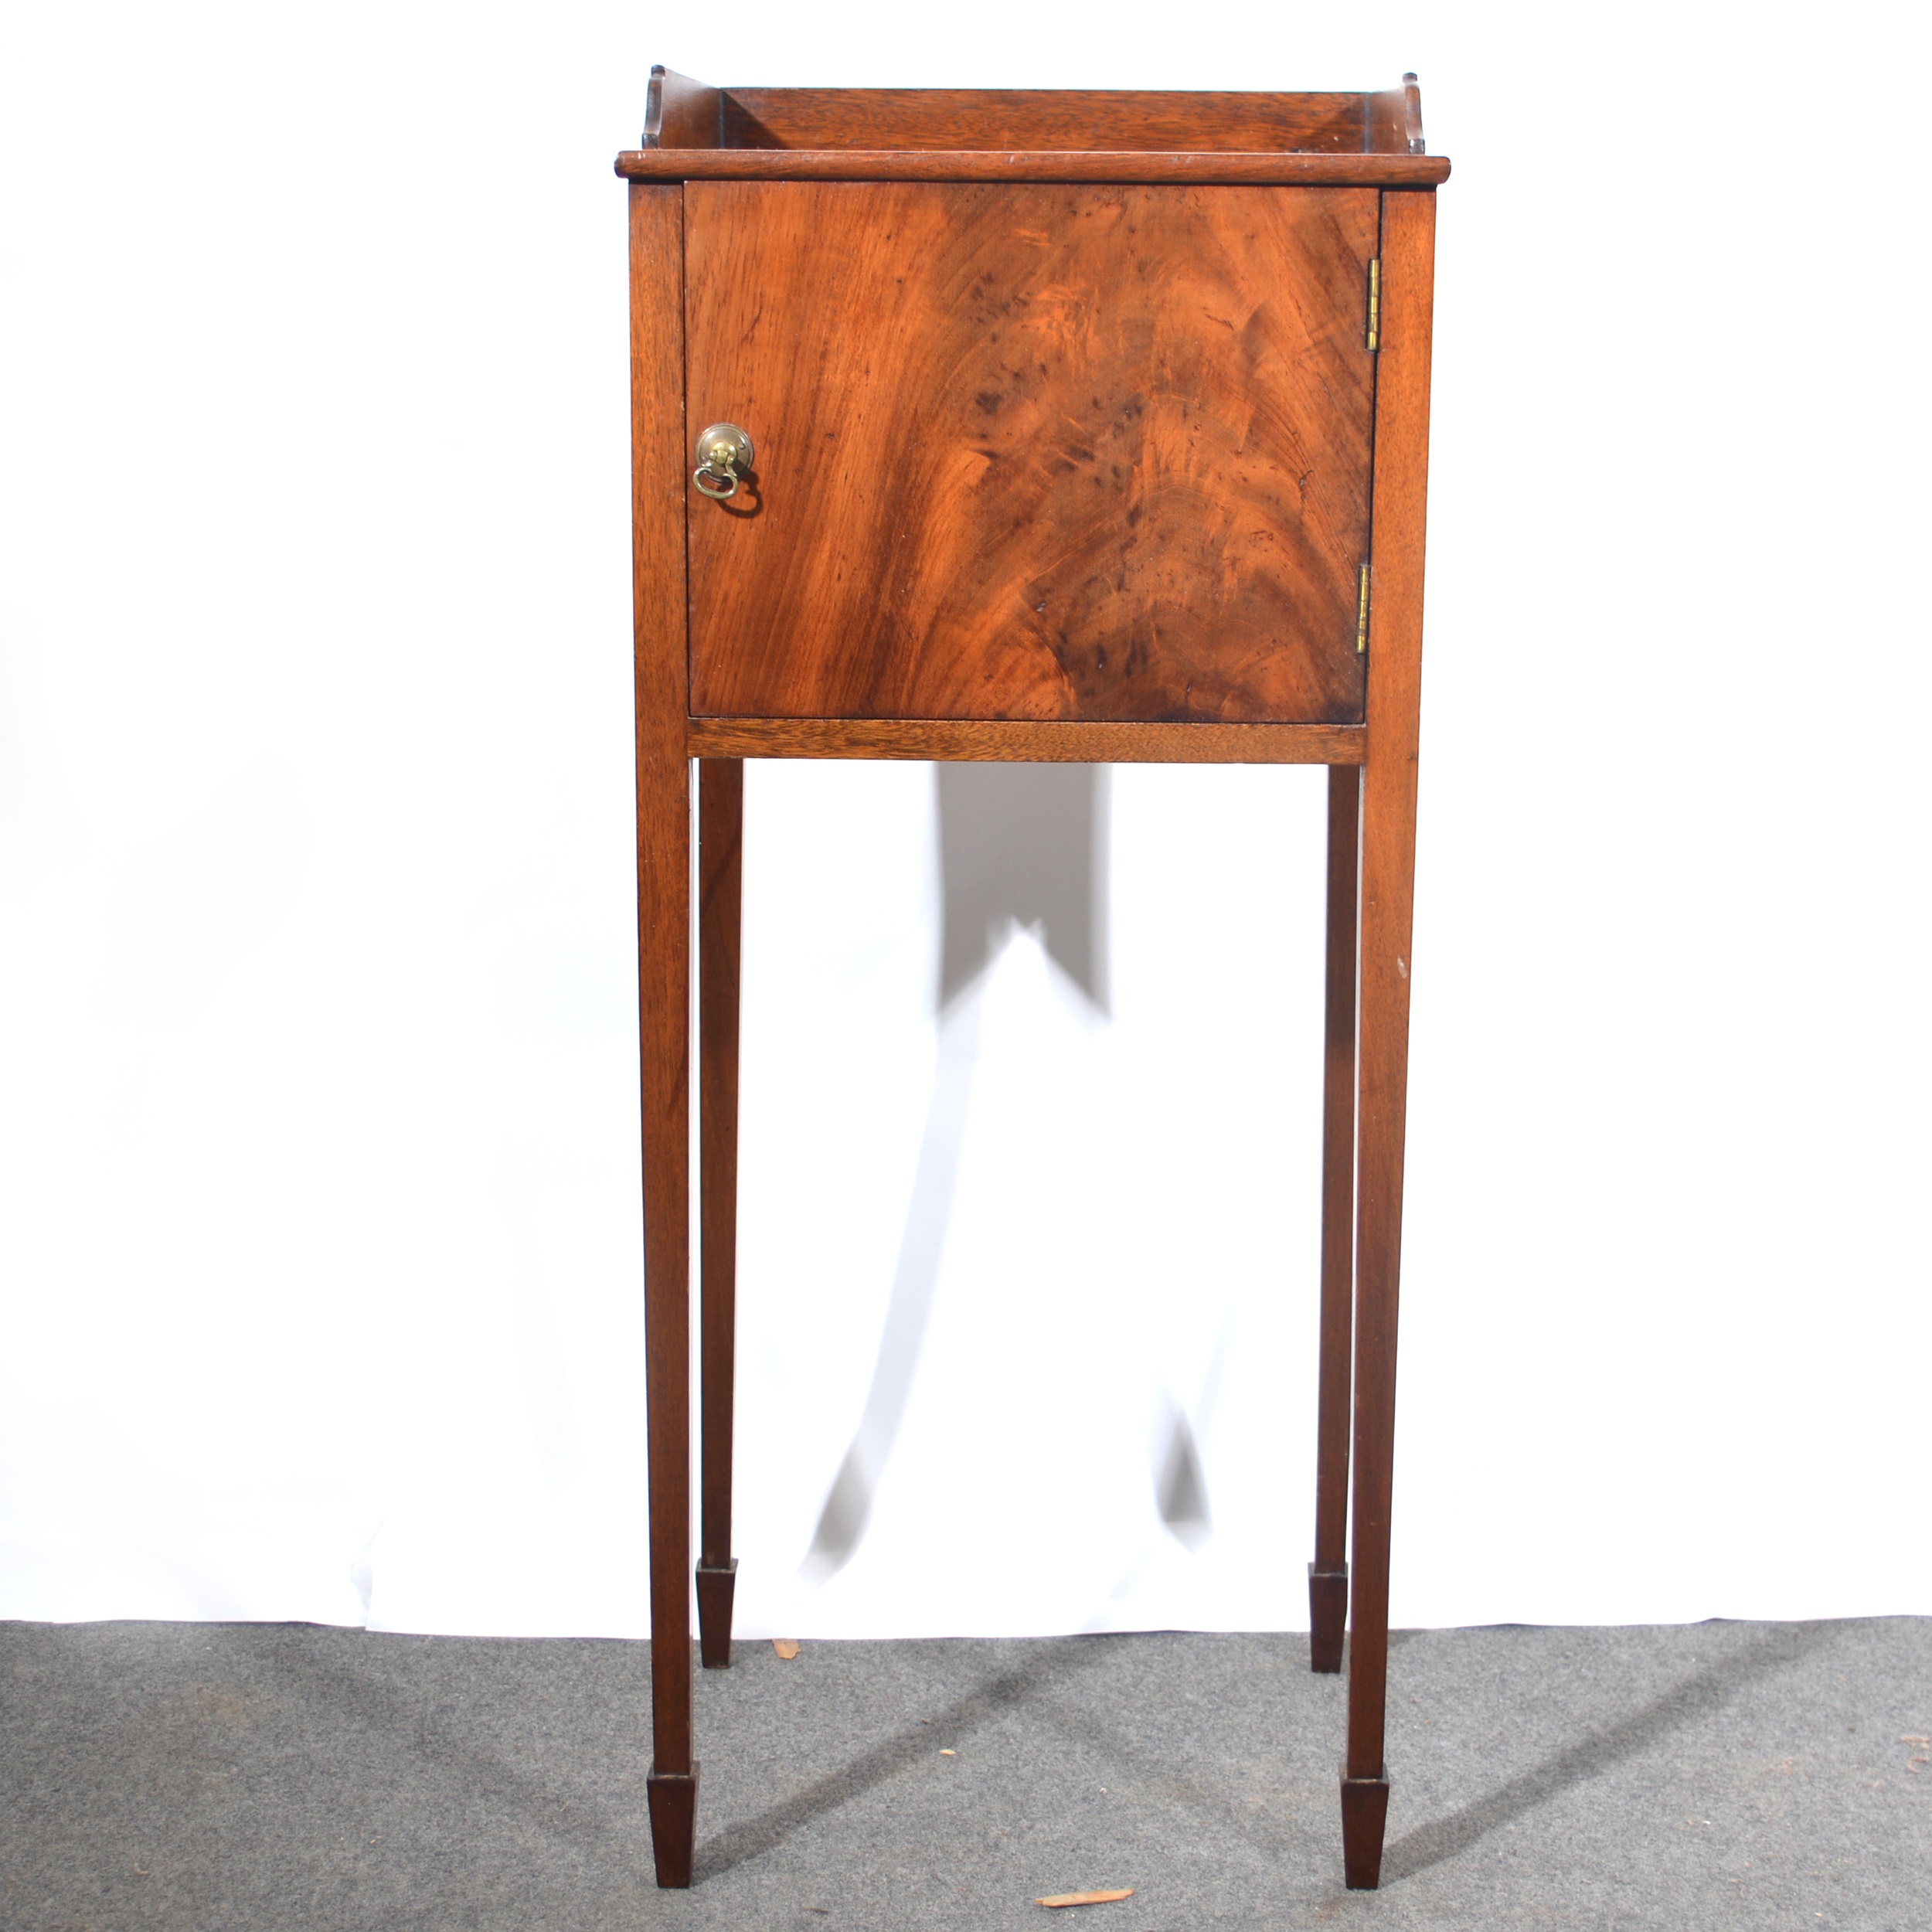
{"x":1070,"y":427}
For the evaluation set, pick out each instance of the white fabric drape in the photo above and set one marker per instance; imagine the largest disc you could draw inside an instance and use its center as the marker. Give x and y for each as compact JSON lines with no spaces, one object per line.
{"x":319,"y":1258}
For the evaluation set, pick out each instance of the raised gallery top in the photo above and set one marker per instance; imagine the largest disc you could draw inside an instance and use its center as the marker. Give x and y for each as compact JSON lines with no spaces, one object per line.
{"x":696,"y":133}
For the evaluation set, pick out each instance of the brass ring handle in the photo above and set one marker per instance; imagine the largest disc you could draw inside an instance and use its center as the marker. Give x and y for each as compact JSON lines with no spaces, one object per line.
{"x":724,"y":457}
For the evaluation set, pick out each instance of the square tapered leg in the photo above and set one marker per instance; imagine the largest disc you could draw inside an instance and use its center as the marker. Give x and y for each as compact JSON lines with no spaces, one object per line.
{"x":1327,"y":1618}
{"x":673,"y":1799}
{"x":720,"y":844}
{"x":1386,"y":907}
{"x":1328,"y":1574}
{"x":664,"y":993}
{"x":717,"y":1584}
{"x":1365,"y":1817}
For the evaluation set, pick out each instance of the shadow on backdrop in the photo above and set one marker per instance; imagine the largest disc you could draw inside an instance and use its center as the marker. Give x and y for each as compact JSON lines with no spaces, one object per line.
{"x":1023,"y":848}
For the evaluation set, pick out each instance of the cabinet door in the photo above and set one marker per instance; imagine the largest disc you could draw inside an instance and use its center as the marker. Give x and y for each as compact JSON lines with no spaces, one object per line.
{"x":1031,"y":451}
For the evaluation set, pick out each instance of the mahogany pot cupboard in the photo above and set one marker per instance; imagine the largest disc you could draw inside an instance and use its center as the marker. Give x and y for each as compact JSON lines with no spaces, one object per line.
{"x":1026,"y":426}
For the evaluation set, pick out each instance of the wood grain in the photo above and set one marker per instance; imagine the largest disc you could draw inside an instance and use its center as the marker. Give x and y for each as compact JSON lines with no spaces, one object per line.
{"x":1051,"y":120}
{"x":1190,"y":168}
{"x":664,"y":858}
{"x":1031,"y":452}
{"x":679,"y":112}
{"x":1021,"y":742}
{"x":1388,"y":885}
{"x":721,"y":794}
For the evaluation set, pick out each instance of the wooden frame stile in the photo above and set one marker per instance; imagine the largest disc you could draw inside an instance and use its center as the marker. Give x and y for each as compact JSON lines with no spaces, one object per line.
{"x":664,"y":991}
{"x":1387,"y":907}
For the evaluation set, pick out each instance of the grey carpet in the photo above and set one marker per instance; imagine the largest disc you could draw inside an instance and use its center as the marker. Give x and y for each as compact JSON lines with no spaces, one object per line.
{"x":262,"y":1777}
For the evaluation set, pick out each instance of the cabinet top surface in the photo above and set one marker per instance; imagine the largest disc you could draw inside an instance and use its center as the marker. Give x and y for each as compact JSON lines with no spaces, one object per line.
{"x":696,"y":132}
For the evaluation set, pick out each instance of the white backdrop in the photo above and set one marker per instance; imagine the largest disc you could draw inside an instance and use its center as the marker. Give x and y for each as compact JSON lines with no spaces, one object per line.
{"x":319,"y":1241}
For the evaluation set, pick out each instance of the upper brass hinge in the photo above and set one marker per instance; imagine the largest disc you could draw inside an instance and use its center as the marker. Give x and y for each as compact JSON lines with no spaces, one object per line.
{"x":1375,"y":303}
{"x":1361,"y":615}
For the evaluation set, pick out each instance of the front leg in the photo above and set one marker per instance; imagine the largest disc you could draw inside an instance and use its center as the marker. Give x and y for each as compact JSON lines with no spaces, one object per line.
{"x":664,"y":966}
{"x":1387,"y":906}
{"x":664,"y":992}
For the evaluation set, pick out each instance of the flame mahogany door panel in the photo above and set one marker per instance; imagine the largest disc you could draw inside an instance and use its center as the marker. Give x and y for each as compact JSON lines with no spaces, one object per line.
{"x":1024,"y":451}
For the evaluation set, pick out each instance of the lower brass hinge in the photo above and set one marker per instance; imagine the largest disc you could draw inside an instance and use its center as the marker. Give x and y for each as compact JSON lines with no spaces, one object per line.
{"x":1375,"y":303}
{"x":1361,"y":615}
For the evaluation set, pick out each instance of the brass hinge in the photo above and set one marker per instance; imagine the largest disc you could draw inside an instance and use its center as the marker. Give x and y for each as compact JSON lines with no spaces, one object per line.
{"x":1375,"y":303}
{"x":1361,"y":615}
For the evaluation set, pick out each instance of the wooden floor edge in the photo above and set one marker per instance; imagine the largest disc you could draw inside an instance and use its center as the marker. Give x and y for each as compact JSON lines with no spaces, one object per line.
{"x":1027,"y":741}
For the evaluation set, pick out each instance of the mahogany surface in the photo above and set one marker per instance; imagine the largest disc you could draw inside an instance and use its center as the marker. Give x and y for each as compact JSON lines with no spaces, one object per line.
{"x":1070,"y":446}
{"x":909,"y":126}
{"x":1365,"y":1817}
{"x":681,"y":113}
{"x":1387,"y":900}
{"x":1028,"y":742}
{"x":663,"y":991}
{"x":1370,"y":170}
{"x":888,"y":122}
{"x":1031,"y":451}
{"x":962,"y":117}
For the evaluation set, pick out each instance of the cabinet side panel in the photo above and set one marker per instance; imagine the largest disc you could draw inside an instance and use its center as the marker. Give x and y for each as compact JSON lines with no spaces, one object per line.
{"x":1032,"y":452}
